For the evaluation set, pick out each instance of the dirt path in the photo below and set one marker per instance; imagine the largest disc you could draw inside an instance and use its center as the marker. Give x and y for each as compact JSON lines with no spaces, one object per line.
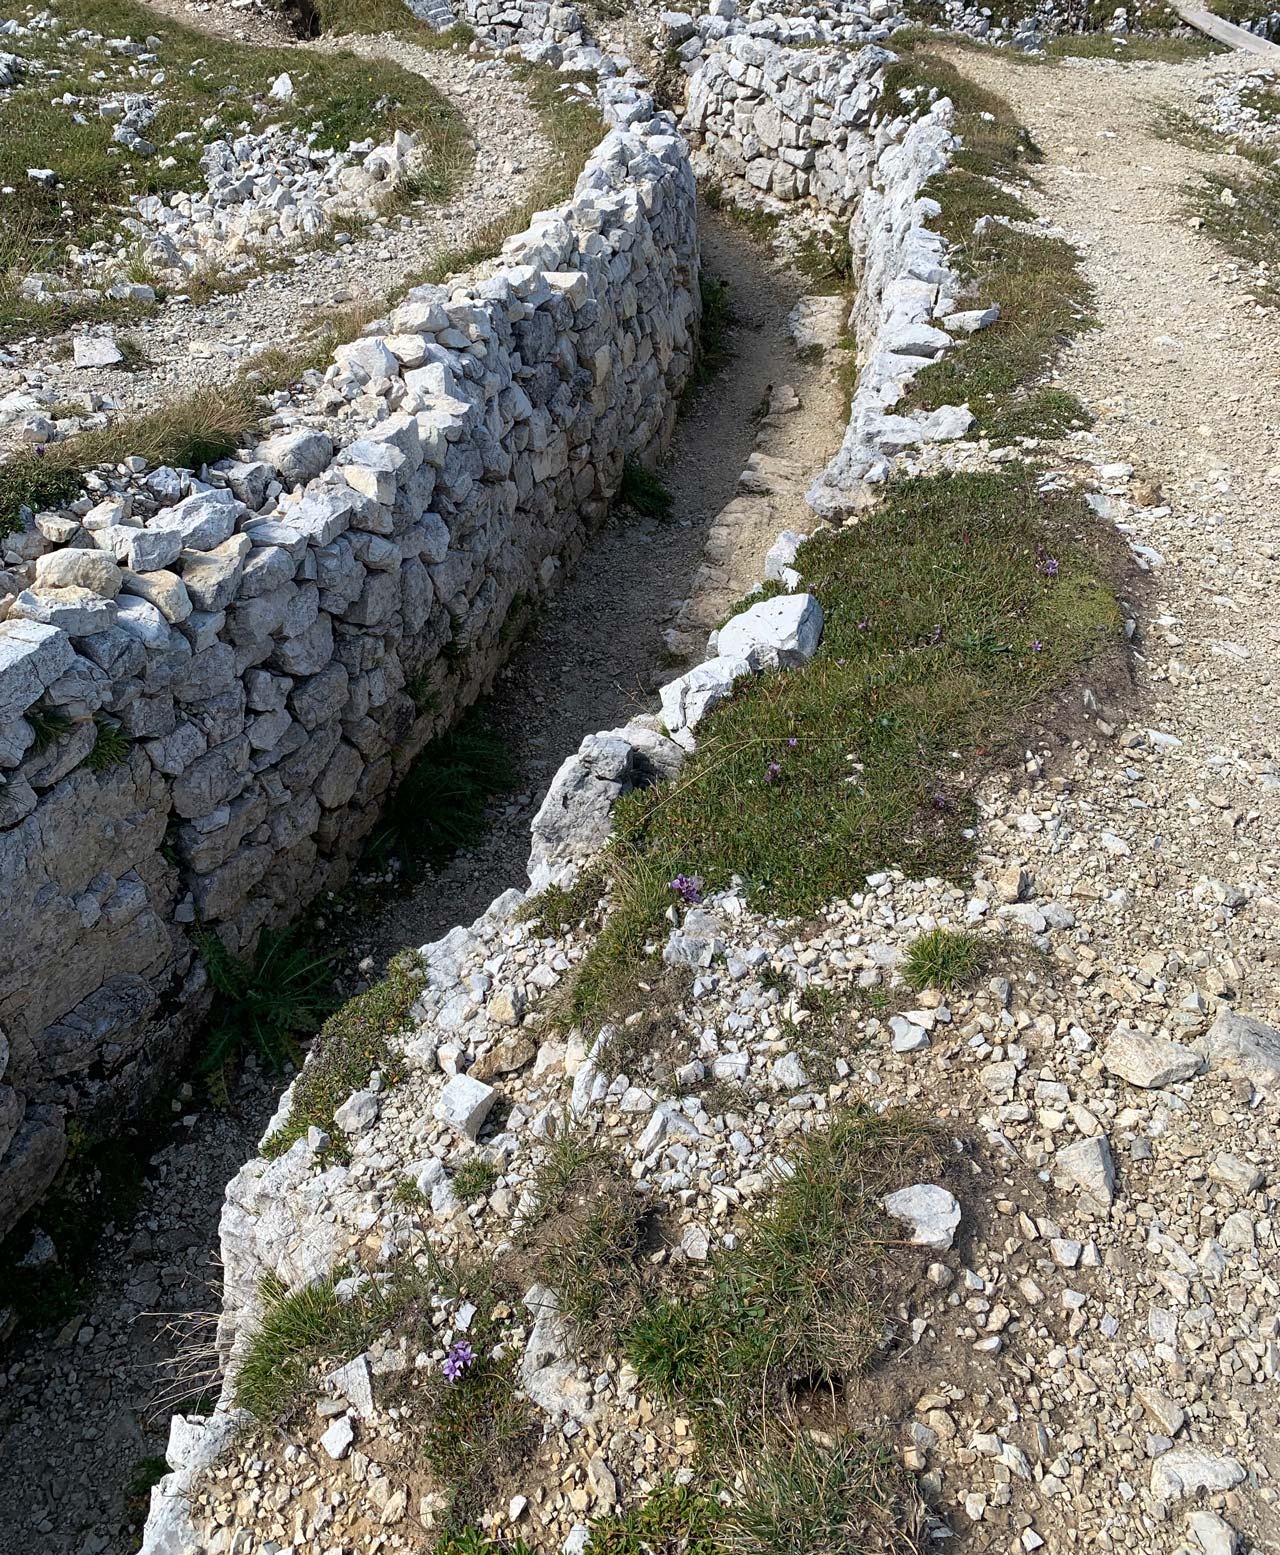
{"x":1163,"y":838}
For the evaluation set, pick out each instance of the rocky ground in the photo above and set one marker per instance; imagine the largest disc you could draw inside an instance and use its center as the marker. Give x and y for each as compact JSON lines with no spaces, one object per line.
{"x":1093,"y":1354}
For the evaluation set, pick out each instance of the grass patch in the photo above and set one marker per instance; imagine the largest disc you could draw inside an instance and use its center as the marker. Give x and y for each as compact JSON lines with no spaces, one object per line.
{"x":36,"y":484}
{"x":754,"y":220}
{"x":560,"y":909}
{"x":643,"y":491}
{"x":850,"y":1497}
{"x":951,"y":611}
{"x":1035,"y":280}
{"x":475,"y":1179}
{"x":672,"y":1520}
{"x":111,"y":747}
{"x":298,"y":1331}
{"x":714,"y":349}
{"x":264,"y":1004}
{"x":353,"y":1042}
{"x":797,"y":1304}
{"x":1130,"y":48}
{"x":48,"y":725}
{"x":1248,"y":228}
{"x":583,"y":1235}
{"x":441,"y":803}
{"x":477,"y":1429}
{"x":946,"y":958}
{"x":1043,"y":413}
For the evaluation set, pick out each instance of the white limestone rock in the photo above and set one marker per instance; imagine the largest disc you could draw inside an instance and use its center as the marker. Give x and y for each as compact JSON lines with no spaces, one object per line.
{"x":931,"y":1212}
{"x":465,"y":1103}
{"x":777,"y":633}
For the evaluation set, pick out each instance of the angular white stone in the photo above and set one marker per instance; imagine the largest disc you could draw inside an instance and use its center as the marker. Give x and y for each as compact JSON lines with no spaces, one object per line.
{"x":932,"y":1213}
{"x":776,"y":633}
{"x":1087,"y":1164}
{"x":1148,"y":1061}
{"x":465,"y":1103}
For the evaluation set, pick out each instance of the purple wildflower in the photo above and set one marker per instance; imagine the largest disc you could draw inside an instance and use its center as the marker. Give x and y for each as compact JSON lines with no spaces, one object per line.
{"x":460,"y":1356}
{"x":1047,"y":564}
{"x":864,"y":623}
{"x":939,"y":800}
{"x":792,"y":743}
{"x":1037,"y":646}
{"x":936,"y":635}
{"x":687,"y":886}
{"x":773,"y":770}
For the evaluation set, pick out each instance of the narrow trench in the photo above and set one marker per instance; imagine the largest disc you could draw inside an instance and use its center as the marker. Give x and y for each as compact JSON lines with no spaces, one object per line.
{"x":80,"y":1415}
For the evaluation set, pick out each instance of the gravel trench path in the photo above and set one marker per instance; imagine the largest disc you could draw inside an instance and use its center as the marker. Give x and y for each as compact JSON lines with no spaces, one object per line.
{"x":79,"y":1408}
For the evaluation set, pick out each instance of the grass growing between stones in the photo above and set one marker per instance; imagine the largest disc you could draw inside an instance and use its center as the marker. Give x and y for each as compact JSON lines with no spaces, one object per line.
{"x":354,"y":1041}
{"x":297,"y":1331}
{"x":1130,"y":49}
{"x":1247,"y":228}
{"x":1035,"y":280}
{"x":212,"y":85}
{"x":264,"y":1004}
{"x":952,"y":610}
{"x":946,"y":958}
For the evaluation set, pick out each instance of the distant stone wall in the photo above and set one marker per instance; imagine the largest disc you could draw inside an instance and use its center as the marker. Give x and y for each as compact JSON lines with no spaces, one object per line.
{"x":792,"y":123}
{"x":278,"y":639}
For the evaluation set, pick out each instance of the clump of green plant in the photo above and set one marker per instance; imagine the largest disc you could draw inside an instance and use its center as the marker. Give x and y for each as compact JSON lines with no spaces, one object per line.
{"x":1247,"y":225}
{"x":947,"y":958}
{"x":851,"y":1496}
{"x":441,"y":804}
{"x":559,"y":908}
{"x":759,"y":223}
{"x":48,"y":725}
{"x":110,"y":747}
{"x":353,"y":1042}
{"x":265,"y":1003}
{"x":643,"y":491}
{"x":298,"y":1330}
{"x":477,"y":1428}
{"x":799,"y":1300}
{"x":33,"y":483}
{"x":1129,"y":48}
{"x":826,"y":260}
{"x":1044,"y":413}
{"x":475,"y":1179}
{"x":672,"y":1520}
{"x":953,"y":609}
{"x":472,"y":1541}
{"x":714,"y":349}
{"x":583,"y":1235}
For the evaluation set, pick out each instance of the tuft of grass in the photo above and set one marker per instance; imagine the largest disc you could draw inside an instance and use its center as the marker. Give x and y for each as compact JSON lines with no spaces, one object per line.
{"x":799,"y":1301}
{"x":754,"y":220}
{"x":817,"y":1497}
{"x":826,"y":260}
{"x":48,"y":725}
{"x":672,"y":1520}
{"x":559,"y":909}
{"x":714,"y":349}
{"x":264,"y":1004}
{"x":584,"y":1233}
{"x":298,"y":1331}
{"x":475,"y":1179}
{"x":440,"y":804}
{"x":472,"y":1541}
{"x":111,"y":747}
{"x":477,"y":1429}
{"x":35,"y":484}
{"x":952,"y":610}
{"x":946,"y":958}
{"x":353,"y":1042}
{"x":643,"y":491}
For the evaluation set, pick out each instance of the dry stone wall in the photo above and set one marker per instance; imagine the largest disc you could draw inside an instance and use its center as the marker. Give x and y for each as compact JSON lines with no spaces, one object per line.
{"x":277,"y":638}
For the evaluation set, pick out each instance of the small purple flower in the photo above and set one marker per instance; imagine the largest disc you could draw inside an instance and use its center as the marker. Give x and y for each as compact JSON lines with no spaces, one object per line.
{"x":864,"y":624}
{"x":939,"y":800}
{"x":936,"y":635}
{"x":792,"y":743}
{"x":687,"y":886}
{"x":1047,"y":564}
{"x":1037,"y":646}
{"x":460,"y":1356}
{"x":772,"y":771}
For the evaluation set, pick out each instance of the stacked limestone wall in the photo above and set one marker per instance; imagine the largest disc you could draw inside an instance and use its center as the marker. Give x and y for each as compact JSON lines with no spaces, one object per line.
{"x":279,"y":639}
